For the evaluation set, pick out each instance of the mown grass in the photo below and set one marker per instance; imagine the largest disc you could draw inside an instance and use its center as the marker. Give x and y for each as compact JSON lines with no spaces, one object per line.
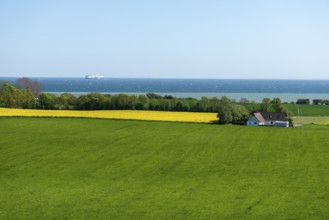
{"x":116,"y":114}
{"x":64,"y":168}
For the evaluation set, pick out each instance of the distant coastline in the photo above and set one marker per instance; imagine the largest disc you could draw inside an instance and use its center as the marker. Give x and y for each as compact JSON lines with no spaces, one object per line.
{"x":286,"y":90}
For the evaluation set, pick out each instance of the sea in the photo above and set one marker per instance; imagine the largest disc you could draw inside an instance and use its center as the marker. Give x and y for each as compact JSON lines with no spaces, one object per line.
{"x":251,"y":89}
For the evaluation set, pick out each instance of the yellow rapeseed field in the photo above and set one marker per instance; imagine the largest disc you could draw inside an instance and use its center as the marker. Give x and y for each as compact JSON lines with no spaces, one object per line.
{"x":115,"y":114}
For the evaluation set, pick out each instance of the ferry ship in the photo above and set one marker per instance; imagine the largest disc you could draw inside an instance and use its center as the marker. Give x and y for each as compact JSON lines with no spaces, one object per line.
{"x":94,"y":76}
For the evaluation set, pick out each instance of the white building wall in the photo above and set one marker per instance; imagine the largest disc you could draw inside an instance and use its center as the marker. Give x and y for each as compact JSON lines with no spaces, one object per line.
{"x":252,"y":122}
{"x":281,"y":124}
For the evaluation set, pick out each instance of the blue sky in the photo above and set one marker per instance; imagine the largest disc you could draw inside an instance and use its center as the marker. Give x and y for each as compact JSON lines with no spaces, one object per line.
{"x":279,"y":39}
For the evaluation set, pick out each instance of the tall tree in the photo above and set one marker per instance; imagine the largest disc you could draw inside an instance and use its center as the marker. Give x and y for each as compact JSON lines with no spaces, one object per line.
{"x":214,"y":101}
{"x":266,"y":103}
{"x":204,"y":103}
{"x":10,"y":96}
{"x":28,"y":102}
{"x":277,"y":105}
{"x":27,"y":83}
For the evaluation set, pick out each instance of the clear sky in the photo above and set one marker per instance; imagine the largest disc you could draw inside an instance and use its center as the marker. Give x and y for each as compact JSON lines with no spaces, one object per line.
{"x":266,"y":39}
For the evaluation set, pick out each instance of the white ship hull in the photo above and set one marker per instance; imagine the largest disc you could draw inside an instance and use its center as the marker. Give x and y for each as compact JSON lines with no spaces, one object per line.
{"x":94,"y":76}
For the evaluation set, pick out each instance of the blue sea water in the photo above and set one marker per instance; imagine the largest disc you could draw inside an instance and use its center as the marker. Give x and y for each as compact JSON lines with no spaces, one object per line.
{"x":287,"y":90}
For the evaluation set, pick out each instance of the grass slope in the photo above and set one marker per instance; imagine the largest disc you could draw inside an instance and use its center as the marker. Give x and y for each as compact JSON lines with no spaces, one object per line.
{"x":63,"y":168}
{"x":308,"y":110}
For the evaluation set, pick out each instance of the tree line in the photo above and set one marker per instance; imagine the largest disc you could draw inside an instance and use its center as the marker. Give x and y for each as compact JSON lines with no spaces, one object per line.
{"x":149,"y":101}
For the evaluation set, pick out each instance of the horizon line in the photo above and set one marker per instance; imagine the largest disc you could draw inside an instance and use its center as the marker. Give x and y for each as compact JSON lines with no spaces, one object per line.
{"x":178,"y":78}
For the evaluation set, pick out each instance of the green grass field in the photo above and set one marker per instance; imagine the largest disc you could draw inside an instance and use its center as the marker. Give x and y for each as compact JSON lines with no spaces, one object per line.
{"x":64,"y":168}
{"x":308,"y":110}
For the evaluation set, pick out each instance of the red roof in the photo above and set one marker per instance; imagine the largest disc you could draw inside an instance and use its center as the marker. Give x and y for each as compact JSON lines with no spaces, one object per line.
{"x":270,"y":116}
{"x":259,"y":117}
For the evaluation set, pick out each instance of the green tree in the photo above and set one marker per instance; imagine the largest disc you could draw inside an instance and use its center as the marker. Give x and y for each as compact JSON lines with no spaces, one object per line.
{"x":10,"y":96}
{"x":132,"y":102}
{"x":214,"y":103}
{"x":122,"y":101}
{"x":277,"y":105}
{"x":244,"y":101}
{"x":154,"y":104}
{"x":164,"y":104}
{"x":29,"y":101}
{"x":204,"y":103}
{"x":193,"y":105}
{"x":232,"y":113}
{"x":71,"y":100}
{"x":142,"y":102}
{"x":83,"y":102}
{"x":252,"y":106}
{"x":179,"y":106}
{"x":266,"y":103}
{"x":47,"y":101}
{"x":153,"y":96}
{"x":61,"y":102}
{"x":224,"y":100}
{"x":303,"y":101}
{"x":97,"y":101}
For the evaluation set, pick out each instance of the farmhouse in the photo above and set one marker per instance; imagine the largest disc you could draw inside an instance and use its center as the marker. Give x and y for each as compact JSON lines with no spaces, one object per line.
{"x":277,"y":119}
